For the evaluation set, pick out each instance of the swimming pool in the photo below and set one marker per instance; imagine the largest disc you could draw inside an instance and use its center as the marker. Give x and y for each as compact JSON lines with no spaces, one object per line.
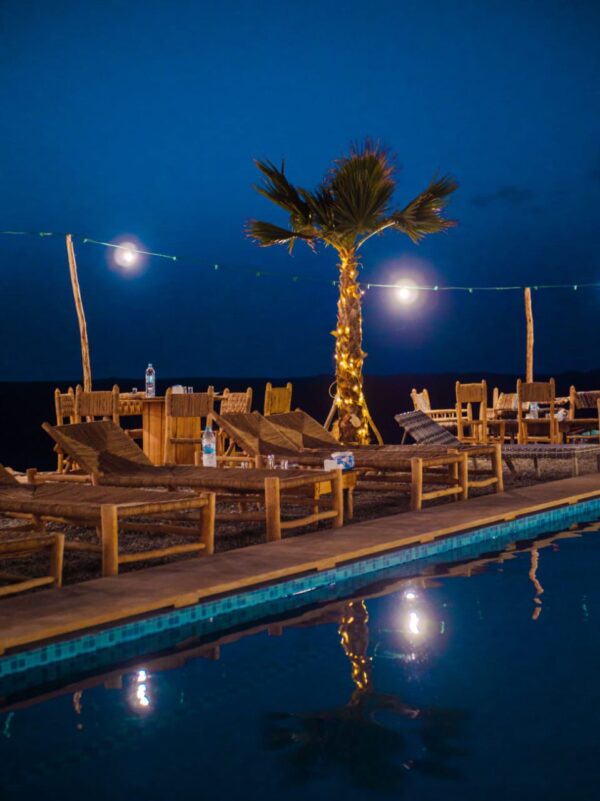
{"x":465,"y":674}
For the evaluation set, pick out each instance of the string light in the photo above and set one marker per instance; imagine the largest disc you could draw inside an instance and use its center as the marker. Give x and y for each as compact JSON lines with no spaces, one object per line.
{"x":133,"y":252}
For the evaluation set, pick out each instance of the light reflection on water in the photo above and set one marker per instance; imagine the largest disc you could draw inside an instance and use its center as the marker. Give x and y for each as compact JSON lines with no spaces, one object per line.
{"x":418,"y":688}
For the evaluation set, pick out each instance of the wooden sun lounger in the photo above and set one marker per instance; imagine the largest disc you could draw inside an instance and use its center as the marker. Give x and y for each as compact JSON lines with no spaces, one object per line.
{"x":104,"y":452}
{"x":109,"y":509}
{"x":21,"y":547}
{"x":426,"y":431}
{"x":380,"y":467}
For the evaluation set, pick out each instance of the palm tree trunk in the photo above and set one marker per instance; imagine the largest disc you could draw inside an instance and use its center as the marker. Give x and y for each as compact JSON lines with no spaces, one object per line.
{"x":349,"y":356}
{"x":85,"y":346}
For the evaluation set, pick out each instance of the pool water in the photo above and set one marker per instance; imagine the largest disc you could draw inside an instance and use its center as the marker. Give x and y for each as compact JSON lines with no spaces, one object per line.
{"x":476,"y":678}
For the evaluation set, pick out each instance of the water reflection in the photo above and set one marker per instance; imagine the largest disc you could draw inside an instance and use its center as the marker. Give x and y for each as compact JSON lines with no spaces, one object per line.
{"x":375,"y":738}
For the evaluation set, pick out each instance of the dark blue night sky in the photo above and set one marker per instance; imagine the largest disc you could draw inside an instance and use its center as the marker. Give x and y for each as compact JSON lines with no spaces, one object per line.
{"x":144,"y":119}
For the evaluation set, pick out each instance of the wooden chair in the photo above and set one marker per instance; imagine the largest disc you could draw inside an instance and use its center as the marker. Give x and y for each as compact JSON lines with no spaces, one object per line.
{"x":235,"y":401}
{"x":96,"y":405}
{"x":540,"y":392}
{"x":131,"y":405}
{"x":64,"y":406}
{"x":472,"y":427}
{"x":590,"y":426}
{"x":277,"y":399}
{"x":422,"y":403}
{"x":186,"y":416}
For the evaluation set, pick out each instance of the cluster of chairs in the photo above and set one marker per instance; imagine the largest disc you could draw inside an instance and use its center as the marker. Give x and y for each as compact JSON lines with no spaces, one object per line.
{"x":475,"y":420}
{"x":106,"y":481}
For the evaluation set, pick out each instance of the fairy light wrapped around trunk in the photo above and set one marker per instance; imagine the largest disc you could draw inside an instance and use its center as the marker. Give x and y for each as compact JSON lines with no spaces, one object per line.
{"x":349,"y":357}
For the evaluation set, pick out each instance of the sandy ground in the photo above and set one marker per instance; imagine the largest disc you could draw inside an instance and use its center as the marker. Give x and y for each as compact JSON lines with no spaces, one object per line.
{"x":80,"y":566}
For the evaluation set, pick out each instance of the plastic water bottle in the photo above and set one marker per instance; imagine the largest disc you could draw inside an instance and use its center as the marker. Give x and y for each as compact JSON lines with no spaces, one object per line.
{"x":150,"y":382}
{"x":534,"y":410}
{"x":209,"y":447}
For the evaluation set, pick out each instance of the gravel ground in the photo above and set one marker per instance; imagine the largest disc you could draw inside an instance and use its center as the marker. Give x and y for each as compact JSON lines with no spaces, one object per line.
{"x":79,"y":566}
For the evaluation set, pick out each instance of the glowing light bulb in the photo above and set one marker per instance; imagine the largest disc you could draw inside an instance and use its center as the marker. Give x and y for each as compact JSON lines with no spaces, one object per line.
{"x":406,"y":294}
{"x":126,"y":254}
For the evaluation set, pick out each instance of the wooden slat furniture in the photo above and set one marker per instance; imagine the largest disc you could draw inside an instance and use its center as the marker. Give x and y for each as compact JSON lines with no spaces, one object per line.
{"x":108,"y":509}
{"x":15,"y":546}
{"x":380,"y":467}
{"x":277,"y":399}
{"x":105,"y":452}
{"x":426,"y":431}
{"x":235,"y":401}
{"x":543,"y":393}
{"x":473,"y":419}
{"x":231,"y":402}
{"x":131,"y":405}
{"x":192,"y":409}
{"x":64,"y":407}
{"x":96,"y":405}
{"x":586,"y":426}
{"x":422,"y":403}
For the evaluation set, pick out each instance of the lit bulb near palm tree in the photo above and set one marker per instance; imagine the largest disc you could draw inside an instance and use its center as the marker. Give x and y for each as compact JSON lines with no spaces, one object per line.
{"x":351,"y":205}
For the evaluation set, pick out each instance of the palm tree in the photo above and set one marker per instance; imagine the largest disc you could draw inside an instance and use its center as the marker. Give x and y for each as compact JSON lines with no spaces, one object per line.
{"x":369,"y":740}
{"x":350,"y":205}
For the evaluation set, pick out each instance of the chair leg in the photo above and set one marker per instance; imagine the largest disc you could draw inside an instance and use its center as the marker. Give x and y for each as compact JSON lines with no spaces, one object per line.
{"x":109,"y":533}
{"x":416,"y":484}
{"x":56,"y":559}
{"x":337,"y":488}
{"x":273,"y":509}
{"x":207,"y":524}
{"x":497,"y":468}
{"x":463,"y":475}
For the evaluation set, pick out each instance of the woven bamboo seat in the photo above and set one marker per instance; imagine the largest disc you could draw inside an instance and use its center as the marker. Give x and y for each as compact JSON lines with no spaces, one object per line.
{"x":105,"y":452}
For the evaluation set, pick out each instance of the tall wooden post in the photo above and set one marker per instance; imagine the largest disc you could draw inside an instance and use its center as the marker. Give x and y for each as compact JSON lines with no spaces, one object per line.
{"x":529,"y":322}
{"x":85,"y":346}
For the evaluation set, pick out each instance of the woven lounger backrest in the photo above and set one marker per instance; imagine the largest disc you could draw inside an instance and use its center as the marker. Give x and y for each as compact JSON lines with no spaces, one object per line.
{"x":424,"y":430}
{"x":255,"y":435}
{"x":304,"y":430}
{"x":100,"y":447}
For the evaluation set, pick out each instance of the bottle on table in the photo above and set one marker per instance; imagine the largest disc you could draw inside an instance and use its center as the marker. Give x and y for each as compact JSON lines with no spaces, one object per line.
{"x":209,"y":447}
{"x":150,"y":382}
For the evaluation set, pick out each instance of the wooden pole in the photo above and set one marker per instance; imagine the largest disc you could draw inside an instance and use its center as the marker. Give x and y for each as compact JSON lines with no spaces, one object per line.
{"x":529,"y":322}
{"x":85,"y":346}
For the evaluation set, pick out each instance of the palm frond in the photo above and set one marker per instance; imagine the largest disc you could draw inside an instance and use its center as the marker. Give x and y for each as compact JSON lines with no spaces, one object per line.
{"x":276,"y":188}
{"x":362,"y":185}
{"x":424,"y":214}
{"x":265,"y":234}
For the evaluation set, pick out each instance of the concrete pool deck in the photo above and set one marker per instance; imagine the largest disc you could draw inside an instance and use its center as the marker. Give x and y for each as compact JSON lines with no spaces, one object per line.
{"x":41,"y":616}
